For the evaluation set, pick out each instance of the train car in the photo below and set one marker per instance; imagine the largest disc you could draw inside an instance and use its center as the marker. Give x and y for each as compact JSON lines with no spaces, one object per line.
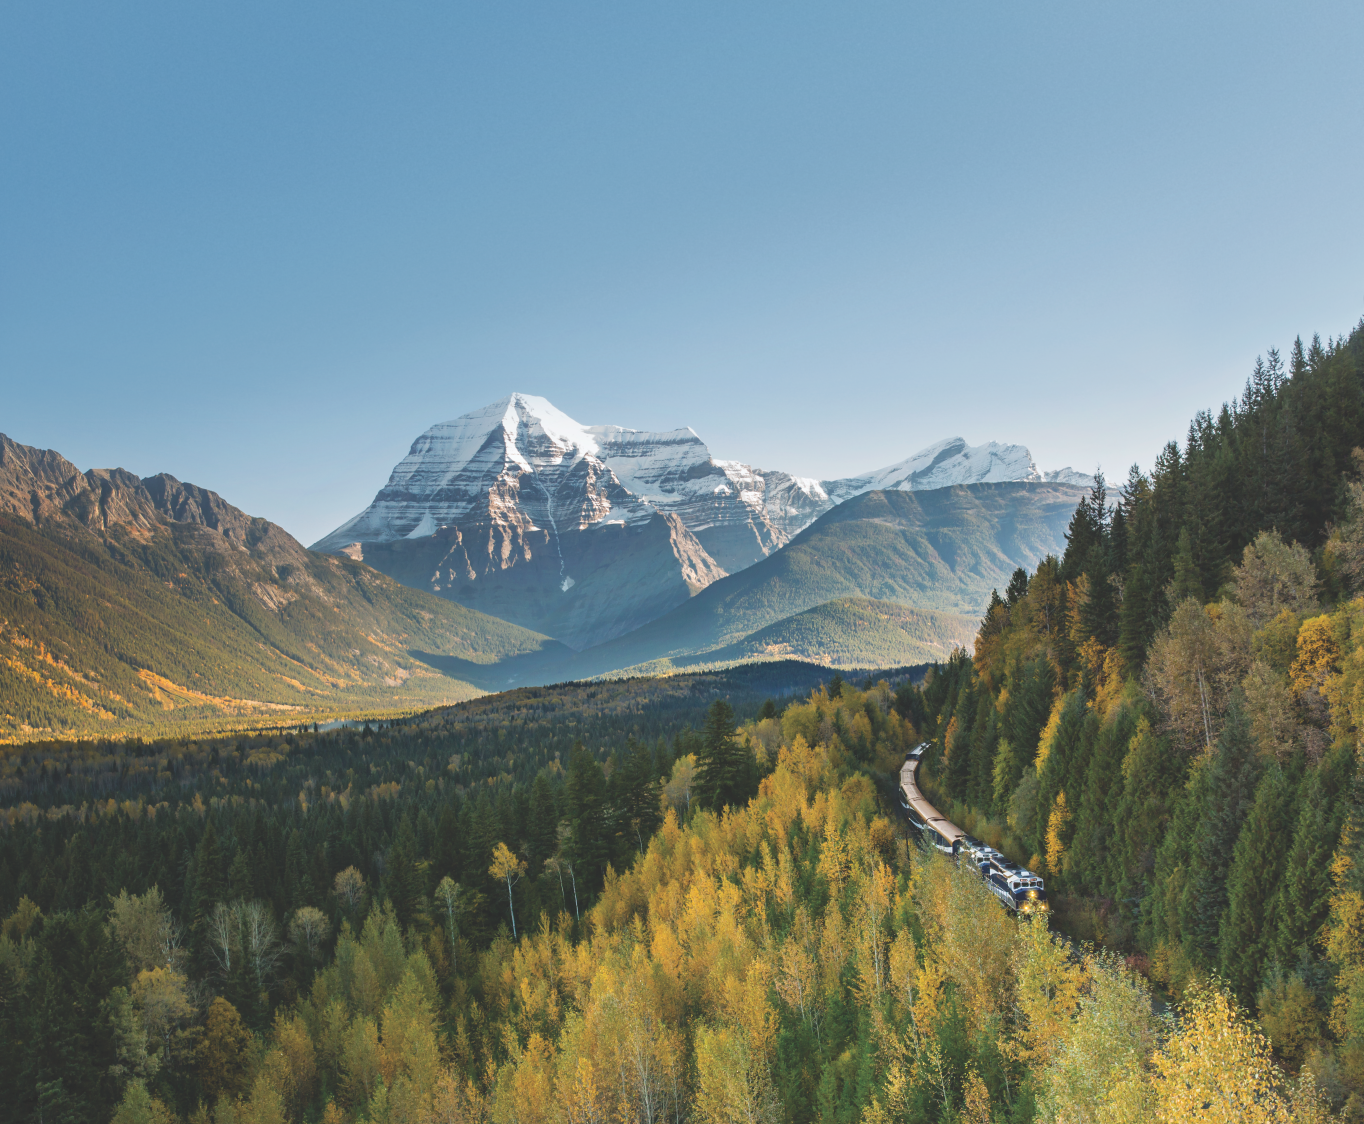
{"x":936,"y":829}
{"x":1016,"y":888}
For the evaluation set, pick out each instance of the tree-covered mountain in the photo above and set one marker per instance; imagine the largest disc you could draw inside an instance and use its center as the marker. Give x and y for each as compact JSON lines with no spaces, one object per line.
{"x":847,"y":633}
{"x":941,"y":550}
{"x":1165,"y":719}
{"x":130,"y":604}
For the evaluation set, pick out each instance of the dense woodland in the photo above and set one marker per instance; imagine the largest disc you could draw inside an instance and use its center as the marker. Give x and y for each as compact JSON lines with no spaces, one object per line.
{"x":687,"y":899}
{"x":1164,"y":721}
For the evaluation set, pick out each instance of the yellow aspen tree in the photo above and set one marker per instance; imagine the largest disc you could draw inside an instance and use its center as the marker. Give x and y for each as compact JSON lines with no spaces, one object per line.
{"x":1057,"y":823}
{"x":1218,"y":1067}
{"x":1046,"y":994}
{"x":506,"y":867}
{"x":139,"y":1107}
{"x":1317,"y":654}
{"x":975,"y":1097}
{"x":223,"y":1053}
{"x":1098,"y":1069}
{"x":360,"y":1061}
{"x":733,"y":1083}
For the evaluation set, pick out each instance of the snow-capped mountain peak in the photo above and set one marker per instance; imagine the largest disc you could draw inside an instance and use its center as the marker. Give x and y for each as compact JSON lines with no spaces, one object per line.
{"x":519,"y":485}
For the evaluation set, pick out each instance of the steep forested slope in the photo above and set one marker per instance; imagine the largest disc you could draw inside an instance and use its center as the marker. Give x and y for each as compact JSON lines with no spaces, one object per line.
{"x":1165,"y":720}
{"x":132,"y":604}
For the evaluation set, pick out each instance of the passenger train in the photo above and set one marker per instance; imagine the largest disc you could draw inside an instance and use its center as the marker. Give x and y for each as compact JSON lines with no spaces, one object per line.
{"x":1020,"y":890}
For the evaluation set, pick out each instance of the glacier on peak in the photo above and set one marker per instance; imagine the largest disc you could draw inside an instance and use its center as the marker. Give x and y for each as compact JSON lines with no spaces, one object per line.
{"x":466,"y":465}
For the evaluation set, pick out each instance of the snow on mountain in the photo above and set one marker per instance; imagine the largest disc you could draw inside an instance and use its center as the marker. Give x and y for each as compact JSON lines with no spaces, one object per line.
{"x":944,"y":465}
{"x":1068,"y":475}
{"x":500,"y":505}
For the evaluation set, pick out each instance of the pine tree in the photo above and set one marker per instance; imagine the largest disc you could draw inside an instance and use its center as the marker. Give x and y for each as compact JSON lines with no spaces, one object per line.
{"x":1030,"y":695}
{"x":540,"y":828}
{"x":1188,"y":582}
{"x":723,"y":776}
{"x":1227,"y":800}
{"x":1306,"y":887}
{"x":1247,"y":932}
{"x":1099,"y":613}
{"x":639,"y":794}
{"x":586,"y":806}
{"x":1161,"y":909}
{"x":1134,"y":620}
{"x":209,"y":888}
{"x":403,"y":877}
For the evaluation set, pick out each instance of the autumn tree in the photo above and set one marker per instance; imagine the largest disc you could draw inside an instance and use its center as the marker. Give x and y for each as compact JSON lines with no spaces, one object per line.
{"x":507,"y":868}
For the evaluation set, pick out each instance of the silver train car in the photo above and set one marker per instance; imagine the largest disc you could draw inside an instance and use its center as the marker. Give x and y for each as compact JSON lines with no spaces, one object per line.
{"x":1016,"y":888}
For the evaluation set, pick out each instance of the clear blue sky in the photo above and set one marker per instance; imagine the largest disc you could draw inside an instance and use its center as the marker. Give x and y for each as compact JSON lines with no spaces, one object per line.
{"x":262,"y":246}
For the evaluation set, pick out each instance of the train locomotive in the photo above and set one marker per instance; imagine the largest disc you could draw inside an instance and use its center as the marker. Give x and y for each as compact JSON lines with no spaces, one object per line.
{"x":1017,"y":889}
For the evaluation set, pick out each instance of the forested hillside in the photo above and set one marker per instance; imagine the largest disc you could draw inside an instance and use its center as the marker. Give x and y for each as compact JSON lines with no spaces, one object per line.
{"x":131,"y":605}
{"x":1164,"y":720}
{"x":849,"y":633}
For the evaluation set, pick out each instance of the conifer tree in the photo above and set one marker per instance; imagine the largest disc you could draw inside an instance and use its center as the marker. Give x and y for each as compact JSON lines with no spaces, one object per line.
{"x":1248,"y":930}
{"x":1227,"y":799}
{"x":723,"y":775}
{"x":1306,"y":886}
{"x":1188,"y":582}
{"x":209,"y":888}
{"x":639,"y":793}
{"x":585,"y":791}
{"x":543,"y":818}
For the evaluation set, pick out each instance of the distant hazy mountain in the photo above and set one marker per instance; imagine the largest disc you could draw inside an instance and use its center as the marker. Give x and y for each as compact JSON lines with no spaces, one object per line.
{"x":141,"y":603}
{"x":587,"y":532}
{"x":941,"y":550}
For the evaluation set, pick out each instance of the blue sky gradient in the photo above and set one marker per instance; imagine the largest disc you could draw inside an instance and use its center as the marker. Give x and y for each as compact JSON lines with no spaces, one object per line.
{"x":263,"y":246}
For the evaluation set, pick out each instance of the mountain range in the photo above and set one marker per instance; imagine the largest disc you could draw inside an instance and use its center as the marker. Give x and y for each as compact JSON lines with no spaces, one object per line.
{"x":585,"y":533}
{"x":510,"y":547}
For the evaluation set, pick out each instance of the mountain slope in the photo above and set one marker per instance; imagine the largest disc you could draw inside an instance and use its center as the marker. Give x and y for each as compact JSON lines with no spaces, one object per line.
{"x":587,"y":532}
{"x":849,"y":632}
{"x":942,"y":550}
{"x":137,"y":604}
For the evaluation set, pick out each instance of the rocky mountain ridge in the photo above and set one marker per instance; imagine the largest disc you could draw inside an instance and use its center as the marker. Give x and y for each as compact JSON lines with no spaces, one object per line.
{"x":132,"y":603}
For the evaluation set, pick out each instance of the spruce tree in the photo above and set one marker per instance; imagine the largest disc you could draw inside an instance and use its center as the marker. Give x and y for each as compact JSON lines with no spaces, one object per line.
{"x":1135,"y":626}
{"x":1161,"y":908}
{"x":585,"y":793}
{"x":1188,"y":582}
{"x":1306,"y":887}
{"x":1246,"y":937}
{"x":639,"y":794}
{"x":209,"y":888}
{"x":722,"y":773}
{"x":1227,"y":799}
{"x":540,"y":828}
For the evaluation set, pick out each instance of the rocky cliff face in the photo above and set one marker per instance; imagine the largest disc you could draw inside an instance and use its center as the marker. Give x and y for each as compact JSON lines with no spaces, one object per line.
{"x":585,"y":532}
